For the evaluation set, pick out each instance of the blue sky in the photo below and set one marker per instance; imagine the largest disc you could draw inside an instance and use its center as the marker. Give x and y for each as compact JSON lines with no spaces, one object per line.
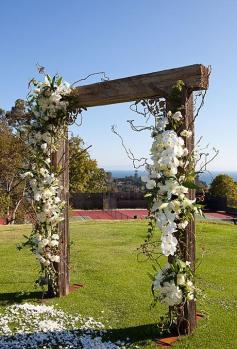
{"x":123,"y":38}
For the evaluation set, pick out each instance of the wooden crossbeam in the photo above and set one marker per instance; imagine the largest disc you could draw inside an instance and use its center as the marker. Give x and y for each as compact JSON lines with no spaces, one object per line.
{"x":138,"y":87}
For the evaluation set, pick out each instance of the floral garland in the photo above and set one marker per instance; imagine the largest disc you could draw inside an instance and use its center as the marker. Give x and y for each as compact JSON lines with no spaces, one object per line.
{"x":44,"y":130}
{"x":170,"y":209}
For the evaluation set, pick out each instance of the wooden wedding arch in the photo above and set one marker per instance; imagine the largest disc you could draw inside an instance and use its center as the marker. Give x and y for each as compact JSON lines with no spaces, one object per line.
{"x":134,"y":88}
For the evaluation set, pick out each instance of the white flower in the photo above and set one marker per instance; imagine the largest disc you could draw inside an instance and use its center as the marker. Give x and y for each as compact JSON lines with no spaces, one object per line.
{"x":55,"y":259}
{"x":169,"y":229}
{"x":168,"y":244}
{"x":190,"y":296}
{"x":47,"y":193}
{"x":37,"y":196}
{"x":27,"y":174}
{"x":190,"y":286}
{"x":40,"y":258}
{"x":45,"y":242}
{"x":175,"y":205}
{"x":161,"y":123}
{"x":164,"y":205}
{"x":160,"y":276}
{"x":185,"y":152}
{"x":57,"y":200}
{"x":150,"y":184}
{"x":44,"y":147}
{"x":180,"y":190}
{"x":43,"y":171}
{"x":187,"y":202}
{"x":55,"y":237}
{"x":186,"y":133}
{"x":171,"y":294}
{"x":182,"y":225}
{"x":177,"y":116}
{"x":180,"y":279}
{"x":54,"y":243}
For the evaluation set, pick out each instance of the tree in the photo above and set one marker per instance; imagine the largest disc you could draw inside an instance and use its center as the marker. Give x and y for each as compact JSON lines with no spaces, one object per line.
{"x":223,"y":186}
{"x":13,"y":154}
{"x":84,"y":174}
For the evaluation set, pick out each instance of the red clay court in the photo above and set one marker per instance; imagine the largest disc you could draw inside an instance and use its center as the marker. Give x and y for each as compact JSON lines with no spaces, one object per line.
{"x":121,"y":214}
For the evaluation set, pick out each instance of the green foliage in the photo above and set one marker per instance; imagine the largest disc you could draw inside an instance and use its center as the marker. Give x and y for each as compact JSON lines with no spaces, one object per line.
{"x":176,"y":96}
{"x":84,"y":174}
{"x":223,"y":186}
{"x":4,"y":203}
{"x":13,"y":154}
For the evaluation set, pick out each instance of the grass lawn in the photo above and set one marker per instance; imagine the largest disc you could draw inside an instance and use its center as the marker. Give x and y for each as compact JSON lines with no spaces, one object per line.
{"x":116,"y":287}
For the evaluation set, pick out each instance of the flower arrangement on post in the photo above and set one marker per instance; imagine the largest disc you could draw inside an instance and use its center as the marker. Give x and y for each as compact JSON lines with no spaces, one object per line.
{"x":44,"y":130}
{"x":170,"y":176}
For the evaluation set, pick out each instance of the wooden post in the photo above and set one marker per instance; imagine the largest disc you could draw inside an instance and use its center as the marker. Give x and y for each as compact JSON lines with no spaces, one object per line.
{"x":61,"y":160}
{"x":187,"y":315}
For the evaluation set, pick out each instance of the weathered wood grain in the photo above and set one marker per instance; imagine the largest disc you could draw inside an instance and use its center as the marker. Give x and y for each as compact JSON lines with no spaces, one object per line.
{"x":187,"y":317}
{"x":138,"y":87}
{"x":61,"y":160}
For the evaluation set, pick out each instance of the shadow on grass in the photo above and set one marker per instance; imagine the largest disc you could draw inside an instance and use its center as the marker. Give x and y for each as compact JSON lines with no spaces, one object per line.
{"x":20,"y":297}
{"x":80,"y":337}
{"x":135,"y":333}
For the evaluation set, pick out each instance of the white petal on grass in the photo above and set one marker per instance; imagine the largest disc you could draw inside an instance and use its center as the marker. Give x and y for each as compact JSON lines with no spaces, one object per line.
{"x":29,"y":326}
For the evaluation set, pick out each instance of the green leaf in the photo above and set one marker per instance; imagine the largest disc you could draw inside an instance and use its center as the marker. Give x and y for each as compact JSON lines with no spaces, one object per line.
{"x":147,"y":195}
{"x":59,"y":81}
{"x":49,"y":78}
{"x":53,"y":81}
{"x":190,"y":185}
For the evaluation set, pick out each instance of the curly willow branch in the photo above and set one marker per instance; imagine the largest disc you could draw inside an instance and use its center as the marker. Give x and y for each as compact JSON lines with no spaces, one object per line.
{"x":130,"y":155}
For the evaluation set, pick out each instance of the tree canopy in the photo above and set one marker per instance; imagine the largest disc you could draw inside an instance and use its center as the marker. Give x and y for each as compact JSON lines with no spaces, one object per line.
{"x":223,"y":186}
{"x":84,"y":174}
{"x":13,"y":154}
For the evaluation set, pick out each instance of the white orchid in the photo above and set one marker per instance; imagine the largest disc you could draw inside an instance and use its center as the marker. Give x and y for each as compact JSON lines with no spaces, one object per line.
{"x":168,"y":244}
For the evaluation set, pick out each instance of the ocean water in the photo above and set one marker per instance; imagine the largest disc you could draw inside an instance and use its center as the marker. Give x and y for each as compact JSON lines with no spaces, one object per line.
{"x":206,"y":177}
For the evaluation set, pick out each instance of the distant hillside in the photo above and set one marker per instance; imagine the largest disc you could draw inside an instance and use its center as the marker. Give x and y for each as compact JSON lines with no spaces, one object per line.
{"x":206,"y":177}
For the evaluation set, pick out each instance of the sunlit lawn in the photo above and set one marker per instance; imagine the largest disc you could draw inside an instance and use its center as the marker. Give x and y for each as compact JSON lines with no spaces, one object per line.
{"x":116,"y":286}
